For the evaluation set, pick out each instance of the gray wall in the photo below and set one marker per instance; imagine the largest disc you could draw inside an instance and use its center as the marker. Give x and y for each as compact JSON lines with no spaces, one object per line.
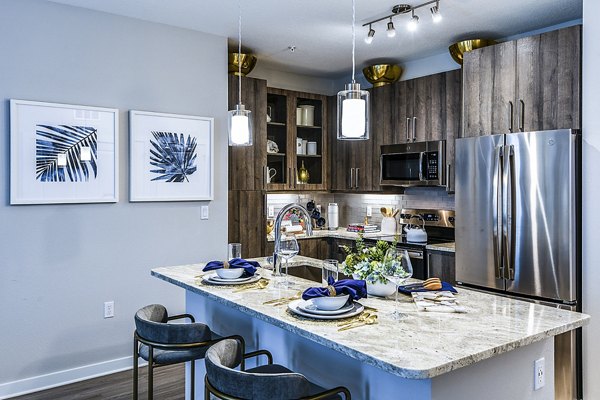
{"x":59,"y":263}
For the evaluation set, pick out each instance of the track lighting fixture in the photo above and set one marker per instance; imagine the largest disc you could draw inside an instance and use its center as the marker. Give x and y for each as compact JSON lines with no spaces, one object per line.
{"x":369,"y":38}
{"x":391,"y":32}
{"x":413,"y":24}
{"x":400,"y":9}
{"x":436,"y":16}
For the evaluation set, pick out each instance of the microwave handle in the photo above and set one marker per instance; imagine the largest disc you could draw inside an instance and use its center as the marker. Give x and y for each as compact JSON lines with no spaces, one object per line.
{"x":421,"y":157}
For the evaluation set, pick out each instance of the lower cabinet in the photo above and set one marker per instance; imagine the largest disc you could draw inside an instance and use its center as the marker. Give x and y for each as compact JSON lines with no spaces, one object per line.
{"x":314,"y":248}
{"x":440,"y":264}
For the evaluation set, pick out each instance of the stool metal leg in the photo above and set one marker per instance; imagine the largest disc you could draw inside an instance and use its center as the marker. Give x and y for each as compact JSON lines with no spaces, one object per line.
{"x":150,"y":373}
{"x":135,"y":368}
{"x":193,"y":380}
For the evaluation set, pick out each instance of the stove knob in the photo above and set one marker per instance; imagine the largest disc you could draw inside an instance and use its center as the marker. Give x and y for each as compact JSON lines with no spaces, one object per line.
{"x":451,"y":220}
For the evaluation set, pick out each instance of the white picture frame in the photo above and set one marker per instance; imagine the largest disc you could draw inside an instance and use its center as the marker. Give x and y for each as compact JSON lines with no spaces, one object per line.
{"x":63,"y":153}
{"x":171,"y":157}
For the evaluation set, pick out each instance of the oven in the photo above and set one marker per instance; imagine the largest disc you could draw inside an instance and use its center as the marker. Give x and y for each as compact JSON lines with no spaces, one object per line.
{"x":413,"y":164}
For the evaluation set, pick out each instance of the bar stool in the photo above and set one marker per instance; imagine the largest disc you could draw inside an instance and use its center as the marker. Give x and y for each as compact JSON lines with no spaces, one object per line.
{"x":161,"y":343}
{"x":271,"y":381}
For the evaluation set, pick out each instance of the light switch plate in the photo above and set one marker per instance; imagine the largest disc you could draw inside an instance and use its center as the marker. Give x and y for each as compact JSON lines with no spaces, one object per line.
{"x":369,"y":211}
{"x":204,"y":212}
{"x":271,"y":212}
{"x":109,"y":309}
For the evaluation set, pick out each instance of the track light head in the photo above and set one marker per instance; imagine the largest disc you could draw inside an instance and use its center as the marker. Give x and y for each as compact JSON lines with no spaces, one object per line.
{"x":413,"y":24}
{"x":391,"y":31}
{"x":436,"y":16}
{"x":370,"y":35}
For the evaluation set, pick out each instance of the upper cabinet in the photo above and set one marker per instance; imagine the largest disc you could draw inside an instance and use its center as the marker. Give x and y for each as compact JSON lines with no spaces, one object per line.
{"x":528,"y":84}
{"x":247,"y":163}
{"x":298,"y":129}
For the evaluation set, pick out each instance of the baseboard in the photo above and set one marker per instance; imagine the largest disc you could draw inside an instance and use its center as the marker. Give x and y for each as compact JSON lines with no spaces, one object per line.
{"x":60,"y":378}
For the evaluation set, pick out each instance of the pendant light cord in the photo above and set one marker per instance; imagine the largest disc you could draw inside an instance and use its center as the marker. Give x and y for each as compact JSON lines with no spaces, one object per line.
{"x":240,"y":53}
{"x":353,"y":38}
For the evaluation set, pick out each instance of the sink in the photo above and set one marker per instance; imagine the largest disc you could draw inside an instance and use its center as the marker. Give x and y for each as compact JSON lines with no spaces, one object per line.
{"x":310,"y":272}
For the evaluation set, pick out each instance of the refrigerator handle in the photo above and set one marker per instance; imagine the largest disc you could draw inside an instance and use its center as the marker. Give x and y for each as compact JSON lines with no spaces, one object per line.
{"x":510,"y":116}
{"x":421,"y":156}
{"x":496,"y":206}
{"x":510,"y":208}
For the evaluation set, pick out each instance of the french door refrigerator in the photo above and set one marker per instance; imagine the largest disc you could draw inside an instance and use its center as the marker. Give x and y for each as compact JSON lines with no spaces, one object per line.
{"x":518,"y":202}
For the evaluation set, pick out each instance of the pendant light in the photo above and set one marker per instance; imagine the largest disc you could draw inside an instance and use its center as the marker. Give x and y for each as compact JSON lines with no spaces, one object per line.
{"x":353,"y":103}
{"x":239,"y":121}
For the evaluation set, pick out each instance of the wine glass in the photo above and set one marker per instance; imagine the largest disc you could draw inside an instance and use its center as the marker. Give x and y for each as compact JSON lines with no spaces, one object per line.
{"x":288,"y":248}
{"x":397,"y":268}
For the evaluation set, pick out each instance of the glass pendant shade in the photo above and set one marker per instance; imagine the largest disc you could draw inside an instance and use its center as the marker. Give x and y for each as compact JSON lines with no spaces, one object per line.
{"x":239,"y":125}
{"x":353,"y":113}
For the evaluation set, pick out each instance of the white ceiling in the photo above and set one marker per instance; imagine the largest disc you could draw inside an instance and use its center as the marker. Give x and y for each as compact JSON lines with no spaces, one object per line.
{"x":321,"y":29}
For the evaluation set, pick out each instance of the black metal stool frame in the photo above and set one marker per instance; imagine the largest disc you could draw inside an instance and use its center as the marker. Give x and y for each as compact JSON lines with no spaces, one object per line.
{"x":137,"y":339}
{"x":210,"y":389}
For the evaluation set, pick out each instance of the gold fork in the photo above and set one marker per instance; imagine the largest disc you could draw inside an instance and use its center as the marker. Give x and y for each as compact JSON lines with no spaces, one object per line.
{"x":370,"y":320}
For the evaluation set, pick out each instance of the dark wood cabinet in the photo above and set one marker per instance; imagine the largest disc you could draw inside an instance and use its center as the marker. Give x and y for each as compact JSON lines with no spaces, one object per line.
{"x":247,"y":218}
{"x":440,"y":264}
{"x":529,"y":84}
{"x":247,"y":164}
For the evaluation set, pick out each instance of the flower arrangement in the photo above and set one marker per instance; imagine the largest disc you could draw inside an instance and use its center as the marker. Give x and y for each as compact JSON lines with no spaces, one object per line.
{"x":366,"y":262}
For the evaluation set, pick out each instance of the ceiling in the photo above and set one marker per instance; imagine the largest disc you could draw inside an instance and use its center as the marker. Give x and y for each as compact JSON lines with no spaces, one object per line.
{"x":321,"y":29}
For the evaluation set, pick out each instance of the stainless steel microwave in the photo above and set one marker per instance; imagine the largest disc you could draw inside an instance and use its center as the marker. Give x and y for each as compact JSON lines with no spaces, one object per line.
{"x":414,"y":164}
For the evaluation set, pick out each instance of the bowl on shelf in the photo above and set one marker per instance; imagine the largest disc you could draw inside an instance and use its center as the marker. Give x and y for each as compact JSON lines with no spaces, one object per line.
{"x":330,"y":303}
{"x":248,"y":62}
{"x":459,"y":48}
{"x":382,"y":74}
{"x":230,"y":273}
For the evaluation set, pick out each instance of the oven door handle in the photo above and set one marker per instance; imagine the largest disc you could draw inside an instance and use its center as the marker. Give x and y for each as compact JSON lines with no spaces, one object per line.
{"x":421,"y":158}
{"x":413,"y":254}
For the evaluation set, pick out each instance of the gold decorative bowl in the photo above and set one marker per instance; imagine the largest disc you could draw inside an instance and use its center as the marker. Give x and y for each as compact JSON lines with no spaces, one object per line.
{"x":248,"y":62}
{"x":382,"y":74}
{"x":458,"y":49}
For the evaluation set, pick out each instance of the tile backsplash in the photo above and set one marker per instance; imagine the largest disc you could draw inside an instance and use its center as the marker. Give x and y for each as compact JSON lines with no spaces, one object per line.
{"x":353,"y":207}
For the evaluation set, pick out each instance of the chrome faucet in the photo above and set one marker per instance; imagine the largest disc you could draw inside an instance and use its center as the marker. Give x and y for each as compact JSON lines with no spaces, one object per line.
{"x":277,"y":227}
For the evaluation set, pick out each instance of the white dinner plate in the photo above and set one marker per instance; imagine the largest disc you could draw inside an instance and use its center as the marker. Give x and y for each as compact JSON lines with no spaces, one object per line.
{"x":214,"y":279}
{"x":357,"y":308}
{"x":309,"y":307}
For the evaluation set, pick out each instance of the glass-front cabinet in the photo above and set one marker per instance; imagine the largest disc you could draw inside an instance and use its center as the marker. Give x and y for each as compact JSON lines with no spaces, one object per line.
{"x":296,"y":141}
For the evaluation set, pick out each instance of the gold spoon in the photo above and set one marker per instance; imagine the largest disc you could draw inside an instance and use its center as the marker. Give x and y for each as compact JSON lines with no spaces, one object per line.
{"x":283,"y":299}
{"x":361,"y":318}
{"x":263,"y":283}
{"x":370,"y":320}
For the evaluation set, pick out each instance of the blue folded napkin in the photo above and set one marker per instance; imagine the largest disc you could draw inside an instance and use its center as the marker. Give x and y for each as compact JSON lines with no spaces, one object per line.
{"x":249,"y":266}
{"x":357,"y":289}
{"x":445,"y":287}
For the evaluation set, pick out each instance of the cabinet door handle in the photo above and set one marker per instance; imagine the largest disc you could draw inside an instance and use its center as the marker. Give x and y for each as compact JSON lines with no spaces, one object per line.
{"x":351,"y":178}
{"x":522,"y":124}
{"x":510,"y":116}
{"x":414,"y":129}
{"x":290,"y":183}
{"x":407,"y":126}
{"x":265,"y":176}
{"x":448,"y":166}
{"x":357,"y":175}
{"x":428,"y":264}
{"x":295,"y":178}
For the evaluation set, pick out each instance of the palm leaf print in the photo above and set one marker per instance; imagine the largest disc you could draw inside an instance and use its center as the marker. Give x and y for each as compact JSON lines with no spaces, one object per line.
{"x":173,"y":156}
{"x":66,"y":142}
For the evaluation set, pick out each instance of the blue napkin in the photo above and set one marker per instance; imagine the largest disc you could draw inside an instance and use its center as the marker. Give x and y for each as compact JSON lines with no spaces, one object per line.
{"x":445,"y":287}
{"x":357,"y":289}
{"x":249,"y":266}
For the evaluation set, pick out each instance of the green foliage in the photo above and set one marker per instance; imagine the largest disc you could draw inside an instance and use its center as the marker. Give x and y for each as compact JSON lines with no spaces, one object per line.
{"x":366,"y":261}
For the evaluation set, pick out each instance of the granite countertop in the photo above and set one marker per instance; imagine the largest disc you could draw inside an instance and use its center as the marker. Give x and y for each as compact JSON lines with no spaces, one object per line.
{"x":447,"y":247}
{"x":424,"y":345}
{"x":340,"y":233}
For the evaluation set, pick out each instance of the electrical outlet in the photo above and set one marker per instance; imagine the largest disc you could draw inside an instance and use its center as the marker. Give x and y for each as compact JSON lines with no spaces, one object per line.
{"x":271,"y":212}
{"x":204,"y":212}
{"x":369,"y":211}
{"x":540,"y":374}
{"x":109,"y":309}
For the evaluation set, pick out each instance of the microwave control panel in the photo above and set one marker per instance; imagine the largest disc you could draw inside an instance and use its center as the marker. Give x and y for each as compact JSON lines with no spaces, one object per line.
{"x":432,"y":165}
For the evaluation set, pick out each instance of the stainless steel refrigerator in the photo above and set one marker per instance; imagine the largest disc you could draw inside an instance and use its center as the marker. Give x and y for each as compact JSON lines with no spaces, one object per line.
{"x":518,"y":202}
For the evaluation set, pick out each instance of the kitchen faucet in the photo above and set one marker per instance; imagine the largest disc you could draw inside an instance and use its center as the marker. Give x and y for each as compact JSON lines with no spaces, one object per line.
{"x":277,"y":229}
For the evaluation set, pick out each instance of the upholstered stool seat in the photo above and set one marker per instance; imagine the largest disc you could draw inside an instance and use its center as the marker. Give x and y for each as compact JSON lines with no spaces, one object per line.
{"x":266,"y":382}
{"x":161,"y":343}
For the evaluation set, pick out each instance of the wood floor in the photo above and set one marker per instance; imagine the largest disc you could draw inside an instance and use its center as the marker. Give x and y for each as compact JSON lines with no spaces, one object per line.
{"x":169,"y":384}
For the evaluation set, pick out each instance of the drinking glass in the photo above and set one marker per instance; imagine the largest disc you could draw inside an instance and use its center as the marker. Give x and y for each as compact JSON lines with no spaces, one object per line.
{"x":397,"y":268}
{"x":288,"y":248}
{"x":329,"y":268}
{"x":234,"y":250}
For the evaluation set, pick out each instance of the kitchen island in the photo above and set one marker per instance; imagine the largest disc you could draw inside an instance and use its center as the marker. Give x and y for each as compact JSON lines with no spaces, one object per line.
{"x":487,"y":352}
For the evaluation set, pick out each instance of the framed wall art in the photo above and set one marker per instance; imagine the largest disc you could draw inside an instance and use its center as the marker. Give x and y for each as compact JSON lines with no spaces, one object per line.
{"x":171,"y":157}
{"x":63,"y":153}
